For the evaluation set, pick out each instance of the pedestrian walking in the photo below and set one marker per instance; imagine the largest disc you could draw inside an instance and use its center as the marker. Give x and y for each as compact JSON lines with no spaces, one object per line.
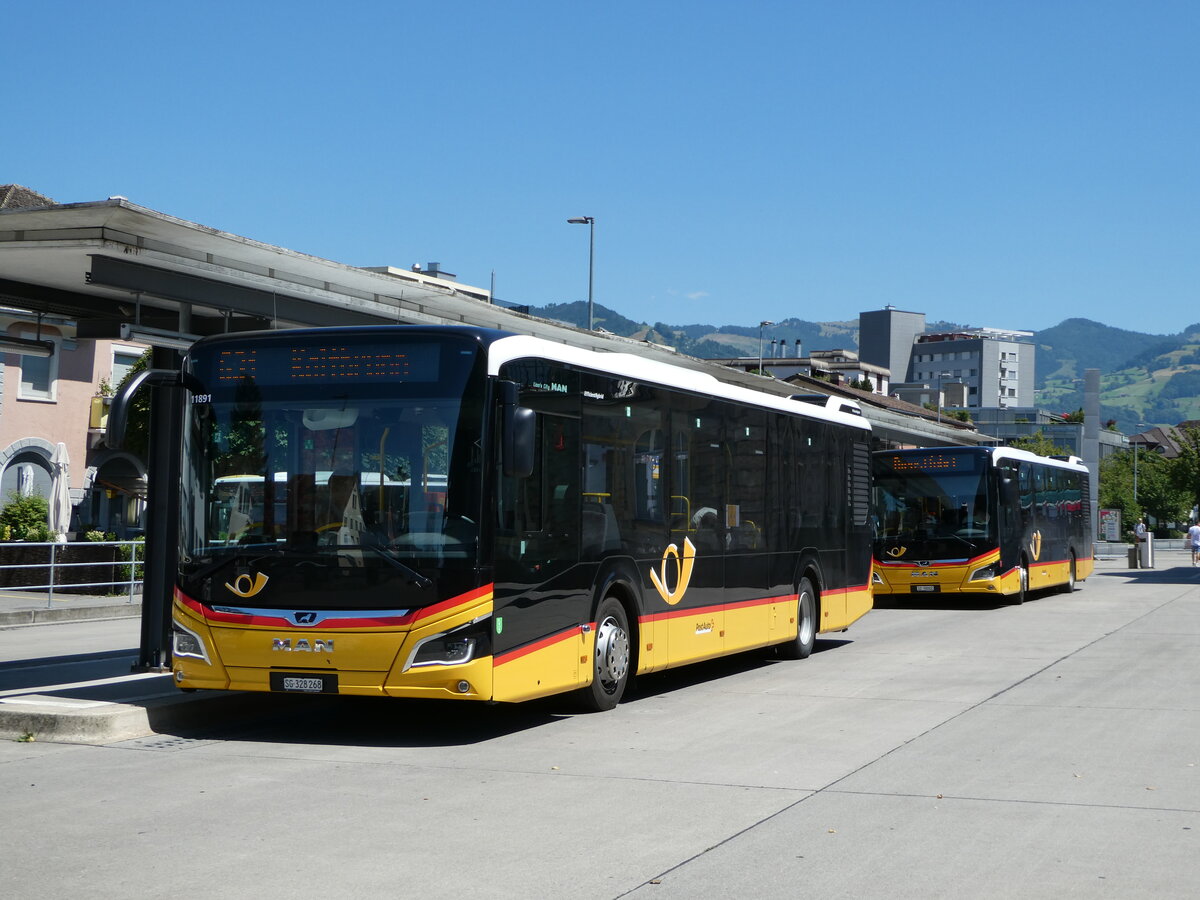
{"x":1194,"y":541}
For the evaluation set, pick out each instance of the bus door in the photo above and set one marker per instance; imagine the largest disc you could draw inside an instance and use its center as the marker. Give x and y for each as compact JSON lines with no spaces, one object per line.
{"x":747,"y":562}
{"x":688,"y":608}
{"x":539,"y":591}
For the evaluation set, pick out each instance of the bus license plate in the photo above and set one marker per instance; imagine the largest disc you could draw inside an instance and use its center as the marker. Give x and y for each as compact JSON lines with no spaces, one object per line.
{"x":927,"y":588}
{"x":303,"y":683}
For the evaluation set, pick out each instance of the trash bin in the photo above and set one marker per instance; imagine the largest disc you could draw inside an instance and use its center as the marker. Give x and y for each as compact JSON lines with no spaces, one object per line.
{"x":1146,"y":552}
{"x":1133,"y":557}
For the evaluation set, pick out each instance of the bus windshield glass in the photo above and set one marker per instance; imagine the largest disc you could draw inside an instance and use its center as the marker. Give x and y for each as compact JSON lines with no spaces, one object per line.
{"x":346,"y":467}
{"x":938,"y":501}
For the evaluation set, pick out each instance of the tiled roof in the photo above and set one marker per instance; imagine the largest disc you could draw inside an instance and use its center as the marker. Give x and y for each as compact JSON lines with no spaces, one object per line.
{"x":14,"y":196}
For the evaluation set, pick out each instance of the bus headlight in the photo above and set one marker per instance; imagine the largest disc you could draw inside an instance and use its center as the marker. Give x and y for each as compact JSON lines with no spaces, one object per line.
{"x":987,"y":573}
{"x":876,"y":578}
{"x":185,"y":642}
{"x":452,"y":648}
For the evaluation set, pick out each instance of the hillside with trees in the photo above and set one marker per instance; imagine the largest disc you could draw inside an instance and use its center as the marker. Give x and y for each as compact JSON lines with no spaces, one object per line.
{"x":1145,"y":378}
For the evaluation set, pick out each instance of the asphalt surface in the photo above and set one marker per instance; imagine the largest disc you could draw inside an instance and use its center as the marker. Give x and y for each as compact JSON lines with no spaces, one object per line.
{"x":936,"y":750}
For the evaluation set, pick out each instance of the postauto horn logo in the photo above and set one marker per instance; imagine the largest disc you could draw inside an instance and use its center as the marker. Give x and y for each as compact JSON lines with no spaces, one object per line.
{"x":243,"y":586}
{"x":683,"y":571}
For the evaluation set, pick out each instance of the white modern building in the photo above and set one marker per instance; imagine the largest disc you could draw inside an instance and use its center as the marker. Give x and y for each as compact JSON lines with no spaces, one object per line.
{"x":995,"y":366}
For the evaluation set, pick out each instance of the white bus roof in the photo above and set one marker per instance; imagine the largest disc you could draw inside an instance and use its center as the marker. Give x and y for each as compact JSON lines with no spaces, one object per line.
{"x":627,"y":365}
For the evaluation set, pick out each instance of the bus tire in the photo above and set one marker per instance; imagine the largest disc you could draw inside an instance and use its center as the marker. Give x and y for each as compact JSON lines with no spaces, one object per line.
{"x":1069,"y":587}
{"x":801,"y":646}
{"x":610,"y":667}
{"x":1023,"y":589}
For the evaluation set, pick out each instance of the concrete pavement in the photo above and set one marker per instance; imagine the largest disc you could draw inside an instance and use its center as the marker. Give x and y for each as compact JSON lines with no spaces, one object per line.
{"x":61,"y":705}
{"x":936,"y":750}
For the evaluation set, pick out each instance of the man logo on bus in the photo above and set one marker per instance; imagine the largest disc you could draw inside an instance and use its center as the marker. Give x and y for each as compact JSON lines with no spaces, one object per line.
{"x":244,"y":587}
{"x":897,"y":552}
{"x":683,"y":571}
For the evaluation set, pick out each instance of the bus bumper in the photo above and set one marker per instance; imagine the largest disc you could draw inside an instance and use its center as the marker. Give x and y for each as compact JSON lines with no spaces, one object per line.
{"x":413,"y":661}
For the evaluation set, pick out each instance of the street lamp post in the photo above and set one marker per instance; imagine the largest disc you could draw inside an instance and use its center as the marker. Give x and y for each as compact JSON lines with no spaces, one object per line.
{"x":590,"y":222}
{"x":761,"y":325}
{"x":1135,"y":460}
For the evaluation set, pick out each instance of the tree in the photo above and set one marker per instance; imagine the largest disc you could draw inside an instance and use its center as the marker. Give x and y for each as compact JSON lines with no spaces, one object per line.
{"x":1186,"y":467}
{"x":137,"y":427}
{"x":1158,"y":490}
{"x":1158,"y":493}
{"x":1115,"y":489}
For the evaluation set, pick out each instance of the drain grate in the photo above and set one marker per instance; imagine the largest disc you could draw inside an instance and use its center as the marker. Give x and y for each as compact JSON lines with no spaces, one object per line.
{"x":160,"y":742}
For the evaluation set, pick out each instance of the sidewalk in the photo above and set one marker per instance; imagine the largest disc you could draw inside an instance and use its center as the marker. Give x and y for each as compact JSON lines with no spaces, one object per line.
{"x":38,"y":608}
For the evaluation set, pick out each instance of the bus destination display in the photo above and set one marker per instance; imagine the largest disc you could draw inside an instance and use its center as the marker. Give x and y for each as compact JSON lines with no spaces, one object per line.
{"x":932,"y":462}
{"x":330,"y":364}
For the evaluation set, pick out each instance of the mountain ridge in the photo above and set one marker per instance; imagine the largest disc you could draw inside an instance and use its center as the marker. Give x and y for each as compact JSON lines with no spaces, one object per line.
{"x":1146,"y":379}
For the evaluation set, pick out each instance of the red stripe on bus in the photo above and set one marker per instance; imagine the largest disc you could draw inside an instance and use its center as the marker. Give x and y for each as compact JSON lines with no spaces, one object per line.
{"x":742,"y":604}
{"x":545,"y":642}
{"x":469,"y":597}
{"x":364,"y":621}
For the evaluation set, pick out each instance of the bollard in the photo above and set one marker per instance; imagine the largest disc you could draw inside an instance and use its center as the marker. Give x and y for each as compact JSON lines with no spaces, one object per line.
{"x":1133,"y":557}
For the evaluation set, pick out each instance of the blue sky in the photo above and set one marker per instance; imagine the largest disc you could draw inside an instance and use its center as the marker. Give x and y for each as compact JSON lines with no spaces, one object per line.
{"x":1008,"y":164}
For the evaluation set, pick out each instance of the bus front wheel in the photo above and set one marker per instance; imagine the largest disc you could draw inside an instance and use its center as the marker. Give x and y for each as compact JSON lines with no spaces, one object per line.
{"x":610,"y":674}
{"x":801,"y":646}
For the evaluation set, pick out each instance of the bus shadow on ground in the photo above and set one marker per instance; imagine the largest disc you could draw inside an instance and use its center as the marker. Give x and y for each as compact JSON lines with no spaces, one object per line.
{"x":949,"y":601}
{"x":372,"y":721}
{"x":1185,"y":574}
{"x":713,"y":670}
{"x":391,"y":722}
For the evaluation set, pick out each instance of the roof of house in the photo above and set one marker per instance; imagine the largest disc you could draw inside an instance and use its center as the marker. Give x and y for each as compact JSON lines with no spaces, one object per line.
{"x":14,"y":196}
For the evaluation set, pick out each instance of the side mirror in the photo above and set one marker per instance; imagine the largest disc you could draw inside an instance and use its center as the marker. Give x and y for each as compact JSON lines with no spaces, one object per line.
{"x":518,"y":433}
{"x":118,"y":413}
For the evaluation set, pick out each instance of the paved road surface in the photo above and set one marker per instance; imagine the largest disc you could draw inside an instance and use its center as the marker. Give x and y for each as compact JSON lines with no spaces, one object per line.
{"x":1045,"y":750}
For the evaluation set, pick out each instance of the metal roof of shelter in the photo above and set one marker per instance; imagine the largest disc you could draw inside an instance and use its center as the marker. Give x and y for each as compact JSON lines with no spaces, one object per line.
{"x":113,"y":263}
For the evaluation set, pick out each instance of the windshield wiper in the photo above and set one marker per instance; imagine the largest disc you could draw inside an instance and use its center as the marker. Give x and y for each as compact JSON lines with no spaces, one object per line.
{"x":414,"y":576}
{"x":222,"y":556}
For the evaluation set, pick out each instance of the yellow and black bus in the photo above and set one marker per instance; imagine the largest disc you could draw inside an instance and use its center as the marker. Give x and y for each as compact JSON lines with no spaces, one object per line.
{"x":455,"y":512}
{"x":969,"y":520}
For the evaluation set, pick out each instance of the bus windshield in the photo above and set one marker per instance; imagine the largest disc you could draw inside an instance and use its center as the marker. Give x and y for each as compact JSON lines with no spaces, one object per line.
{"x":934,"y":500}
{"x":349,"y":470}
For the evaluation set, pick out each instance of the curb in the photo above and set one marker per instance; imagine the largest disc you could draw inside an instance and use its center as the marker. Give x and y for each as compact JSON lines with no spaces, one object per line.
{"x":51,"y":719}
{"x":46,"y":616}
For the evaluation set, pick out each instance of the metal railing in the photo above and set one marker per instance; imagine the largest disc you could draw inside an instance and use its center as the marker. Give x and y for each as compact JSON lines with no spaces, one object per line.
{"x":127,"y":568}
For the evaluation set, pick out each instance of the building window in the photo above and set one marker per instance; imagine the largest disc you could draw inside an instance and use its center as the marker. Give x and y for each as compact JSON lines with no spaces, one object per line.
{"x":123,"y":360}
{"x":39,"y":377}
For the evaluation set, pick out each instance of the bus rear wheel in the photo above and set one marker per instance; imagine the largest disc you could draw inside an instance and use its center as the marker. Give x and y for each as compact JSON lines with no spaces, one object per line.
{"x":1069,"y":587}
{"x":1023,"y":590}
{"x":610,"y":674}
{"x":801,"y":646}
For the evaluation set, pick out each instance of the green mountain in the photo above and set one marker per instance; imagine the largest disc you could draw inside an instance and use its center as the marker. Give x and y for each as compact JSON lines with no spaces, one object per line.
{"x":712,"y":341}
{"x":1149,"y":379}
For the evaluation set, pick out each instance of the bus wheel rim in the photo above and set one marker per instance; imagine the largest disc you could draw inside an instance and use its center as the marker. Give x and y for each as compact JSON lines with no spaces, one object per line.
{"x":612,"y":653}
{"x":806,"y":618}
